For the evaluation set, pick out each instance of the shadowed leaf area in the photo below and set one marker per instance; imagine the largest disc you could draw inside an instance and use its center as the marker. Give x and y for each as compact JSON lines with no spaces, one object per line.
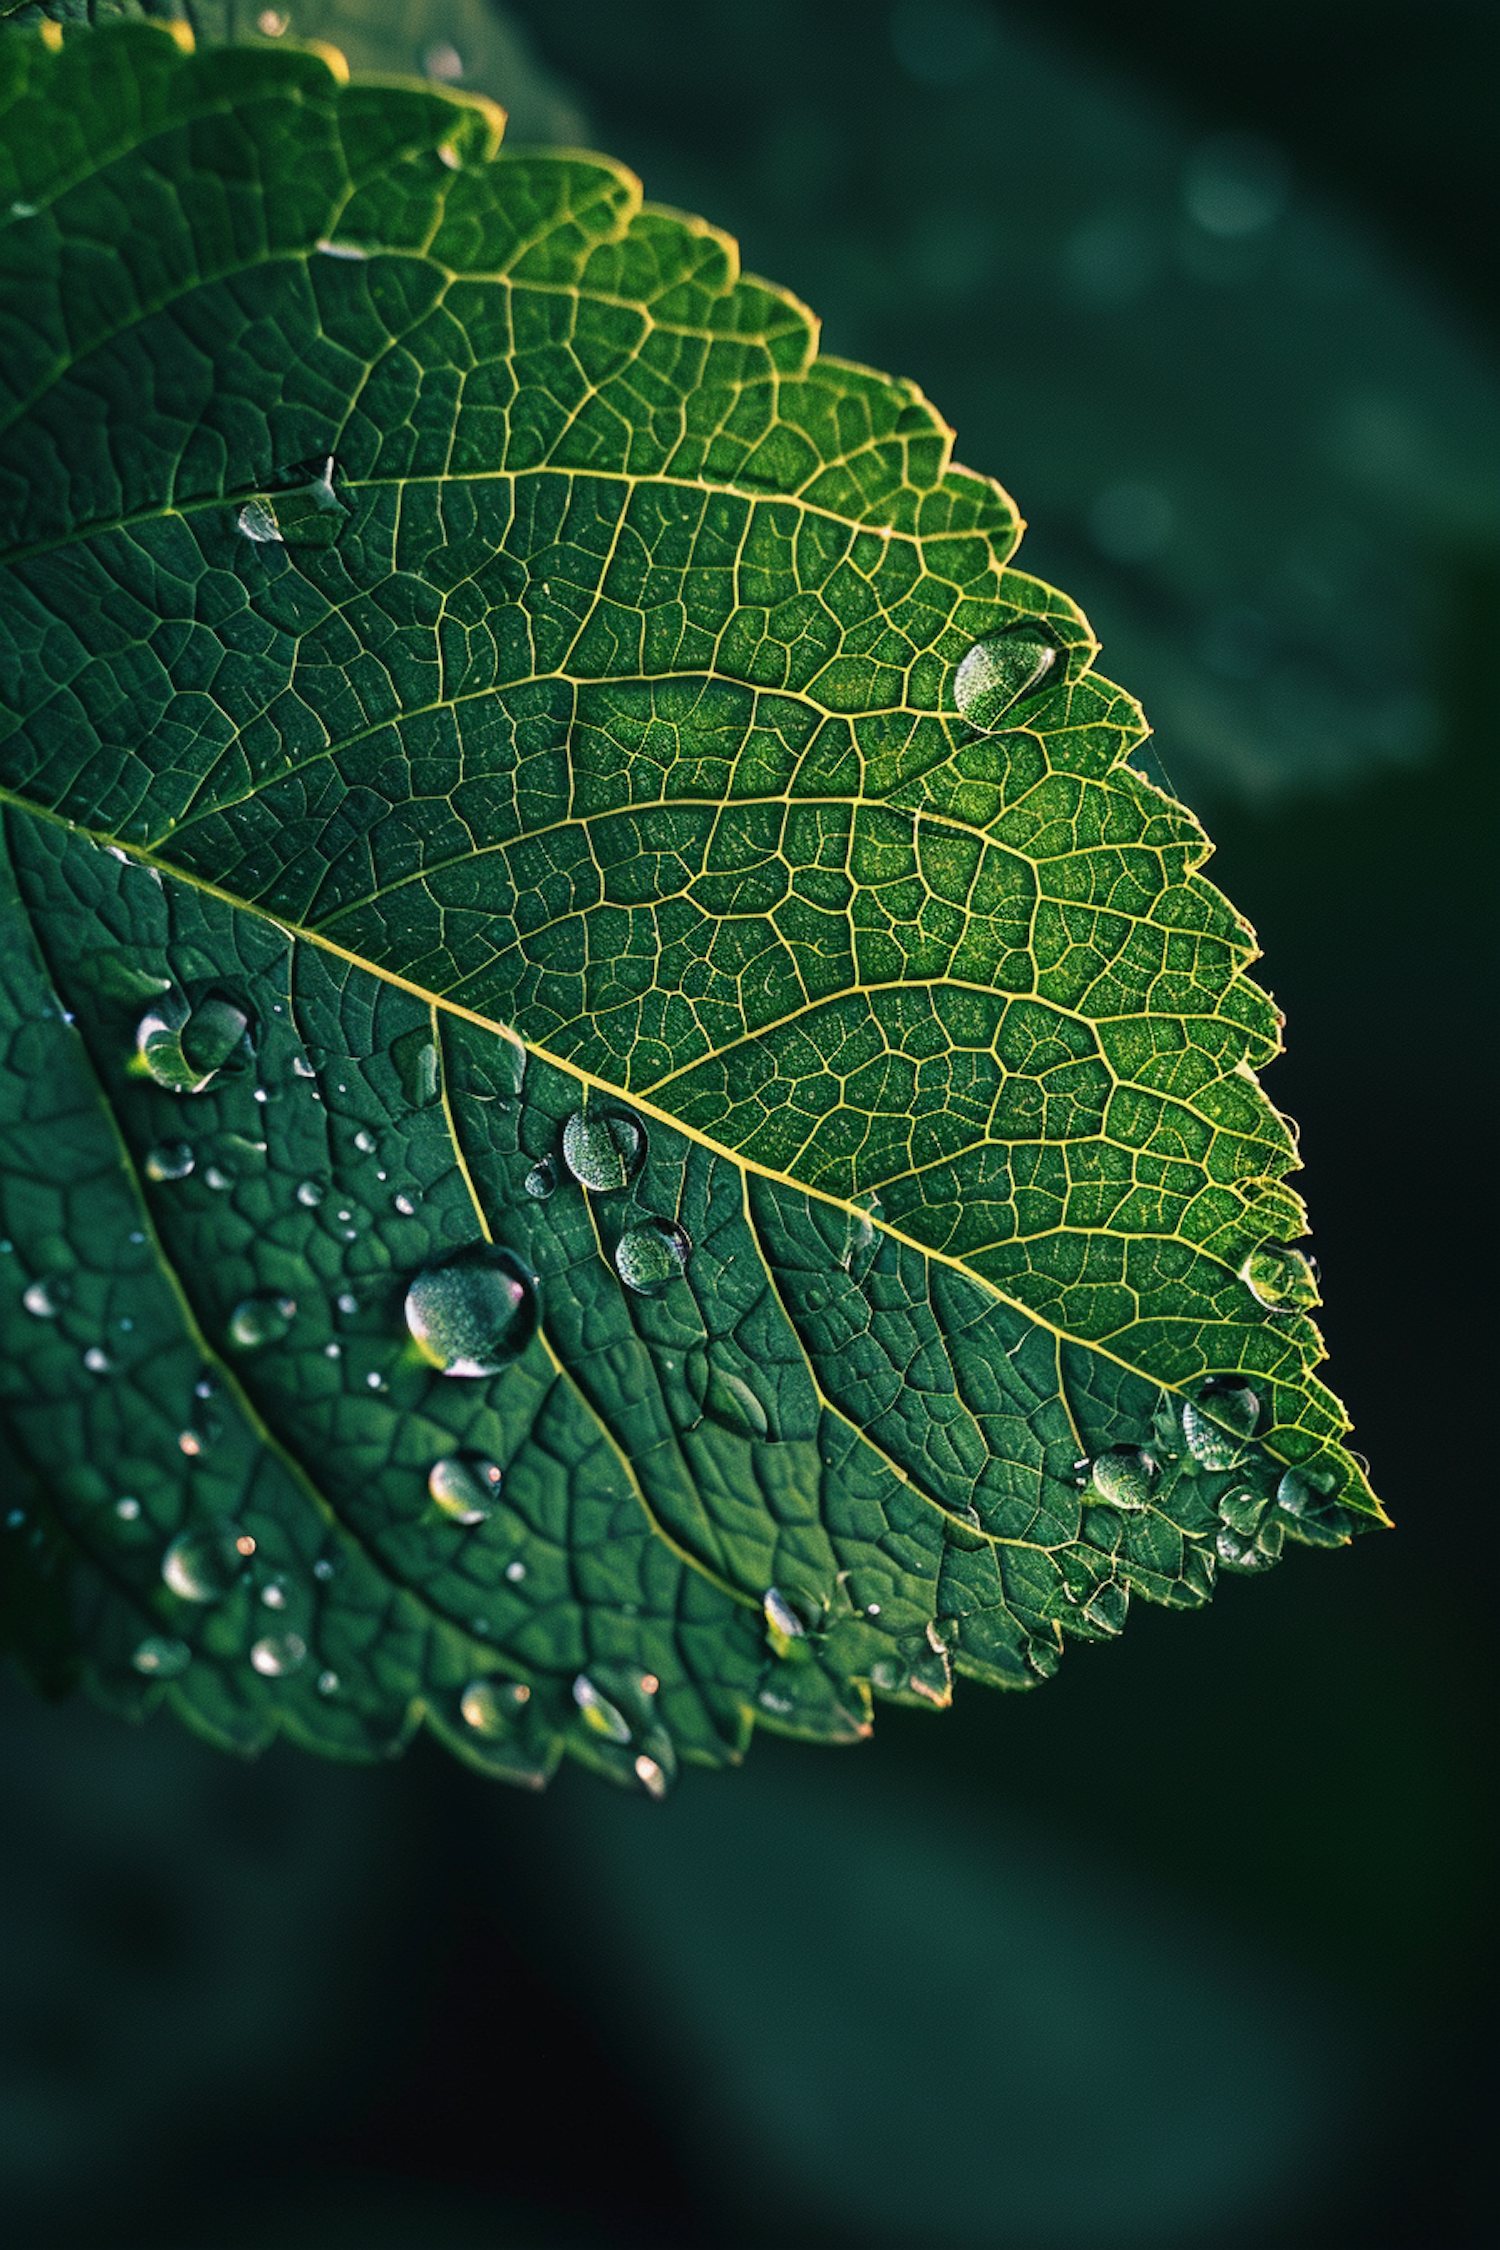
{"x":623,"y":1112}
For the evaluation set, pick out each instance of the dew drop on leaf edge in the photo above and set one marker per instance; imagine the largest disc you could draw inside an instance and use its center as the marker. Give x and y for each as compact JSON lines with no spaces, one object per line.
{"x":999,"y":670}
{"x":474,"y":1313}
{"x":1281,"y":1279}
{"x":599,"y":1714}
{"x":490,"y":1706}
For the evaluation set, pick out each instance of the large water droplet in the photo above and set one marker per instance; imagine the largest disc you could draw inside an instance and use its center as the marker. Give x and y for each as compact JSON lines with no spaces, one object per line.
{"x":650,"y":1256}
{"x":603,"y":1149}
{"x":782,"y":1620}
{"x":1243,"y":1509}
{"x":416,"y":1059}
{"x":474,"y":1314}
{"x":999,"y":671}
{"x":277,"y":1654}
{"x":1281,"y":1279}
{"x":261,"y":1320}
{"x":1122,"y":1477}
{"x":726,"y":1398}
{"x":599,"y":1713}
{"x":160,"y":1658}
{"x":541,"y":1180}
{"x":464,"y":1486}
{"x":171,"y":1160}
{"x":184,"y":1048}
{"x":257,"y":521}
{"x":491,"y":1706}
{"x":1219,"y":1402}
{"x":202,"y":1566}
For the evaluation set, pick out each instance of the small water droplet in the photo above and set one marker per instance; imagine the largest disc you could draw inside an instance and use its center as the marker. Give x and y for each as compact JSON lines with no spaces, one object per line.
{"x":257,"y":520}
{"x":515,"y":1572}
{"x":650,"y":1684}
{"x":443,"y":61}
{"x":417,"y":1066}
{"x":726,"y":1398}
{"x":603,"y":1149}
{"x":1281,"y":1279}
{"x":781,"y":1618}
{"x":872,"y":1609}
{"x":464,"y":1486}
{"x":650,"y":1257}
{"x":405,"y":1205}
{"x":599,"y":1713}
{"x":333,"y":1351}
{"x":96,"y":1361}
{"x":202,"y":1566}
{"x":1220,"y":1401}
{"x":128,"y":1508}
{"x":651,"y":1778}
{"x":190,"y":1443}
{"x":998,"y":671}
{"x":328,"y":1683}
{"x":38,"y":1300}
{"x":354,"y":250}
{"x":170,"y":1160}
{"x":215,"y":1178}
{"x":490,"y":1706}
{"x":261,"y":1320}
{"x":277,"y":1654}
{"x":274,"y":1593}
{"x":160,"y":1658}
{"x":475,"y":1313}
{"x":541,"y":1180}
{"x":375,"y":1381}
{"x":364,"y":1141}
{"x":347,"y":1302}
{"x":1122,"y":1477}
{"x":271,"y":23}
{"x":323,"y":1569}
{"x":779,"y":1705}
{"x":302,"y":1068}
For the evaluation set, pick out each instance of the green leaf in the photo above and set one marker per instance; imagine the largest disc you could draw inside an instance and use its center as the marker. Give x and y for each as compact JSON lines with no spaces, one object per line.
{"x":622,"y":1111}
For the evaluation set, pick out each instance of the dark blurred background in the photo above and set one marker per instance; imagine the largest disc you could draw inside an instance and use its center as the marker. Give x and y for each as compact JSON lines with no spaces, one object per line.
{"x":1196,"y":1945}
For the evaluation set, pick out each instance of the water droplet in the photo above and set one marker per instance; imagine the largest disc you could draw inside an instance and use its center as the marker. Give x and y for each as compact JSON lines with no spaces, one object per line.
{"x":443,"y":61}
{"x":128,"y":1508}
{"x":364,"y":1141}
{"x":781,"y":1619}
{"x":277,"y":1654}
{"x":274,"y":1593}
{"x":405,"y":1205}
{"x":328,"y":1683}
{"x":515,"y":1572}
{"x":347,"y":1302}
{"x":598,"y":1712}
{"x":1122,"y":1477}
{"x":323,"y":1569}
{"x":184,"y":1048}
{"x":202,"y":1566}
{"x":171,"y":1160}
{"x":541,"y":1180}
{"x":216,"y":1179}
{"x":261,"y":1320}
{"x":302,"y":1068}
{"x":474,"y":1314}
{"x":1281,"y":1279}
{"x":1220,"y":1402}
{"x":353,"y":250}
{"x":651,"y":1778}
{"x":726,"y":1398}
{"x":38,"y":1300}
{"x":375,"y":1381}
{"x":999,"y":671}
{"x":649,"y":1257}
{"x":190,"y":1443}
{"x":271,"y":23}
{"x":885,"y":1673}
{"x":1242,"y":1510}
{"x":257,"y":520}
{"x":416,"y":1059}
{"x":160,"y":1658}
{"x":603,"y":1150}
{"x":650,"y":1684}
{"x":333,"y":1351}
{"x":490,"y":1706}
{"x":96,"y":1361}
{"x":308,"y":511}
{"x":464,"y":1486}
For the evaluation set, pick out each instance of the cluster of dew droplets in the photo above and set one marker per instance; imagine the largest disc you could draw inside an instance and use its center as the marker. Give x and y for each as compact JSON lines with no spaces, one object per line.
{"x":604,"y":1150}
